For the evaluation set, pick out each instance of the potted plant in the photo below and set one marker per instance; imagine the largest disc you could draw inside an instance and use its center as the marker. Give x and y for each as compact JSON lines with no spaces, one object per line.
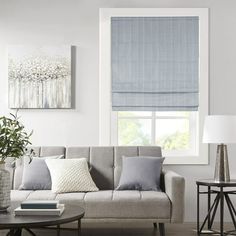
{"x":13,"y":143}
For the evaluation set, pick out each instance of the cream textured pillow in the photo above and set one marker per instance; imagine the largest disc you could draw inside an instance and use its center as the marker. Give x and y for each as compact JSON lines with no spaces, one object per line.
{"x":70,"y":175}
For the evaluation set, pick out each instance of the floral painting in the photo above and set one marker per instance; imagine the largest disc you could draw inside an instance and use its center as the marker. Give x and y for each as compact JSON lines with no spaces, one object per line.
{"x":39,"y":76}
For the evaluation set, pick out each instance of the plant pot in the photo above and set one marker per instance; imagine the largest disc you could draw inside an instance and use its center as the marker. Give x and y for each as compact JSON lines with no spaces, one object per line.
{"x":5,"y":188}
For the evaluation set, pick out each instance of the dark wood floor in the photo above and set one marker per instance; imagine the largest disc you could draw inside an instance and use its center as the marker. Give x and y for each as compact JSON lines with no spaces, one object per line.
{"x":187,"y":229}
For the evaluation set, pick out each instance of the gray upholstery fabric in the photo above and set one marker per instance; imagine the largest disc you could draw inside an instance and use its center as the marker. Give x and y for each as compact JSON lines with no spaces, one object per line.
{"x":19,"y":196}
{"x":152,"y":151}
{"x":41,"y":195}
{"x":102,"y":167}
{"x":52,"y":151}
{"x":36,"y":175}
{"x":78,"y":152}
{"x":17,"y":181}
{"x":105,"y":162}
{"x":18,"y":173}
{"x":175,"y":188}
{"x":106,"y":165}
{"x":127,"y":204}
{"x":119,"y":152}
{"x":141,"y":173}
{"x":41,"y":152}
{"x":108,"y":203}
{"x":71,"y":197}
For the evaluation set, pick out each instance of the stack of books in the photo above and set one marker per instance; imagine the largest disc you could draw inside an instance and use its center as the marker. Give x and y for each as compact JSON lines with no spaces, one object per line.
{"x":44,"y":207}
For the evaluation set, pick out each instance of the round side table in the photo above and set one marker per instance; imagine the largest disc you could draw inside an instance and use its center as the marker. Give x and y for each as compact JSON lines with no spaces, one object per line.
{"x":221,"y":192}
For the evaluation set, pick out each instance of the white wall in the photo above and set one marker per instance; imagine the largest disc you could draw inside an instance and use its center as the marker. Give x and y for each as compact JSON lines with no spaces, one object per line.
{"x":76,"y":22}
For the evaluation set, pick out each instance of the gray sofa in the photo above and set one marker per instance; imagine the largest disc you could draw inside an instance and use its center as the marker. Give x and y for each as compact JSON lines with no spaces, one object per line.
{"x":108,"y":204}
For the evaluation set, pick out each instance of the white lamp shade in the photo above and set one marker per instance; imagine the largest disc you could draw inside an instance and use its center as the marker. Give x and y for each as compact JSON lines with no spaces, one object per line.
{"x":219,"y":129}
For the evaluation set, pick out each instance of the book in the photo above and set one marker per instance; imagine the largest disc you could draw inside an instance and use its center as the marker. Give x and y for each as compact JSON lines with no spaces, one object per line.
{"x":44,"y":204}
{"x":40,"y":212}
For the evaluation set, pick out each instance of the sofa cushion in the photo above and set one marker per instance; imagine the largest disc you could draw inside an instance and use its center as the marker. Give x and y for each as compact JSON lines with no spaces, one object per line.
{"x":52,"y":150}
{"x":20,"y":196}
{"x":39,"y":151}
{"x":141,"y":173}
{"x":127,"y":204}
{"x":41,"y":195}
{"x":121,"y":151}
{"x":70,"y":175}
{"x":108,"y":203}
{"x":36,"y":175}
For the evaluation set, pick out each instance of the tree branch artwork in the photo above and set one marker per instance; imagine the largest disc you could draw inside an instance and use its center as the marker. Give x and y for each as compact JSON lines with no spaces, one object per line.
{"x":39,"y":77}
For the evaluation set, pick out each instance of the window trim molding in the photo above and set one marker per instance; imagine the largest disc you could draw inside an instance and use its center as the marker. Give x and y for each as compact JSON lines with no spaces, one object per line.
{"x":105,"y":121}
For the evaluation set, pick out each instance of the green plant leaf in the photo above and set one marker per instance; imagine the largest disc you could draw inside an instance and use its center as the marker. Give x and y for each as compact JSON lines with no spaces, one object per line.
{"x":13,"y":137}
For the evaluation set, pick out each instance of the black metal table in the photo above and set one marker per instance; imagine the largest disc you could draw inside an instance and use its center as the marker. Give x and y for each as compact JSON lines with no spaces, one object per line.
{"x":221,"y":192}
{"x":15,"y":224}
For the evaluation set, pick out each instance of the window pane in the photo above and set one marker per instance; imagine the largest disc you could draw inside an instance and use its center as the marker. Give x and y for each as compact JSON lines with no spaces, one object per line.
{"x":134,"y":132}
{"x":172,"y":134}
{"x":133,"y":113}
{"x":174,"y":113}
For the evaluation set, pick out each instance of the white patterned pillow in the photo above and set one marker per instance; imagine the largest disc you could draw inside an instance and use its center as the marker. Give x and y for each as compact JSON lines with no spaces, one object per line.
{"x":70,"y":175}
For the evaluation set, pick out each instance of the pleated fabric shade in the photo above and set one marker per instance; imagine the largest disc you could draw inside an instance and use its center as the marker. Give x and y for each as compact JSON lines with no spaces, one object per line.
{"x":155,"y":63}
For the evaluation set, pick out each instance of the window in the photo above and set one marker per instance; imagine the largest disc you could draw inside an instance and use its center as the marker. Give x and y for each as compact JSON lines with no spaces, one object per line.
{"x":178,"y":131}
{"x":170,"y":130}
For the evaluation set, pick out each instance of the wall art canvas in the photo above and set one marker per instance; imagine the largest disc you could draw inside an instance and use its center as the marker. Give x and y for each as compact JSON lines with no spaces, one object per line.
{"x":39,"y":76}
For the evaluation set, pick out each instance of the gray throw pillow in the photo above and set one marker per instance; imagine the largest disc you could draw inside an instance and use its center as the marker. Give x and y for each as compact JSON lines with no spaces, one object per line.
{"x":141,"y":173}
{"x":36,"y":175}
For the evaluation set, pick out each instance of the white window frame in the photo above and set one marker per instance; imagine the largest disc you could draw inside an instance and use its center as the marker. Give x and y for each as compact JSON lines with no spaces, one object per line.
{"x":107,"y":118}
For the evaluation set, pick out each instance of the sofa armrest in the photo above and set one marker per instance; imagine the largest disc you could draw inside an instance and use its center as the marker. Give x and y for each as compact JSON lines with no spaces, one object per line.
{"x":174,"y":185}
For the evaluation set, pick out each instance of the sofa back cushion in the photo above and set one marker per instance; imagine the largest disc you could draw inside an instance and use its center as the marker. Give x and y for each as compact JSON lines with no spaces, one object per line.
{"x":105,"y":162}
{"x":100,"y":161}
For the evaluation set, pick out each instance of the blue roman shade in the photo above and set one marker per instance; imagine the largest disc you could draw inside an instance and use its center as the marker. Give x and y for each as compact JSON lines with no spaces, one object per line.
{"x":155,"y":63}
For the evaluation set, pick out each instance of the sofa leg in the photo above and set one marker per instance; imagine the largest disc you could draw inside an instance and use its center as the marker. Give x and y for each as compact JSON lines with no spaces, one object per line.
{"x":162,"y":229}
{"x":155,"y":225}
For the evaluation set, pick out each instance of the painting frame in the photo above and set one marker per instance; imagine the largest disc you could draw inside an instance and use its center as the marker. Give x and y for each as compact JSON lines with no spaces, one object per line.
{"x":39,"y":76}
